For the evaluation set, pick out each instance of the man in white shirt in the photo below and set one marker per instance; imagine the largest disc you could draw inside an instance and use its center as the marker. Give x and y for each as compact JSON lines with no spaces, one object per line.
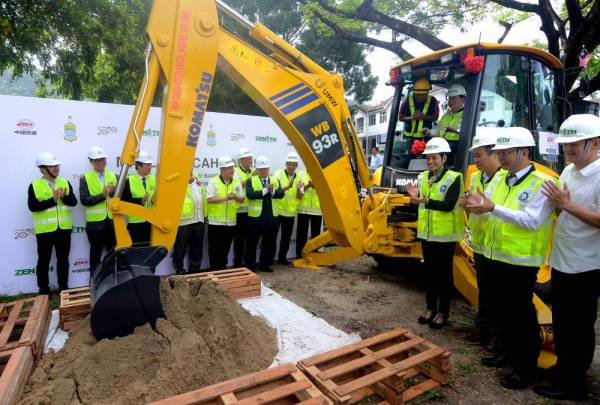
{"x":515,"y":246}
{"x":190,"y":234}
{"x":575,"y":258}
{"x":376,"y":159}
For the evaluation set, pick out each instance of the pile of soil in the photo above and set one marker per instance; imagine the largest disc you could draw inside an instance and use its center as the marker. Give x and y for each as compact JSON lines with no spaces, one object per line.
{"x":206,"y":338}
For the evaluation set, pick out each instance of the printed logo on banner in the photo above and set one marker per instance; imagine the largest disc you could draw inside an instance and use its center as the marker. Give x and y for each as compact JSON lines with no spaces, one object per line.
{"x":104,"y":130}
{"x":29,"y":272}
{"x":151,"y":132}
{"x":78,"y":229}
{"x":23,"y":233}
{"x":206,"y":163}
{"x":237,"y":137}
{"x":211,"y":137}
{"x":265,"y":138}
{"x":70,"y":130}
{"x":81,"y":265}
{"x":25,"y":127}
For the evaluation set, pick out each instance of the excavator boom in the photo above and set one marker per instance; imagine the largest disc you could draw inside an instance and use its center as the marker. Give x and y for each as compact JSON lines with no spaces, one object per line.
{"x":186,"y":45}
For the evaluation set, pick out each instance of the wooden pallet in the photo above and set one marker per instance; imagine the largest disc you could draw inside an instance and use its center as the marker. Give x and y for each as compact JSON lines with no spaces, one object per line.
{"x":25,"y":323}
{"x":75,"y":305}
{"x":396,"y":365}
{"x":238,"y":283}
{"x":16,"y":366}
{"x":282,"y":385}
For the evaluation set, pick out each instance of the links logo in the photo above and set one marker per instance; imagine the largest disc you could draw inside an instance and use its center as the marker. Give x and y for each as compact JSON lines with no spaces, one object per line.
{"x":265,"y":138}
{"x":70,"y":130}
{"x":29,"y":272}
{"x":23,"y":233}
{"x":523,"y":196}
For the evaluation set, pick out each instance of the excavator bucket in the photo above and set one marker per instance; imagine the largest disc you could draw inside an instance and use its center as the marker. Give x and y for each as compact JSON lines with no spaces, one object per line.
{"x":125,"y":292}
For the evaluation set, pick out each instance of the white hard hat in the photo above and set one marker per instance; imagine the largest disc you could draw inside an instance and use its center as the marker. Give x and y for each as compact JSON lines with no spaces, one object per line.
{"x":46,"y":159}
{"x":456,"y":90}
{"x":262,"y":162}
{"x":514,"y":137}
{"x":244,"y":153}
{"x":579,"y":127}
{"x":96,"y":152}
{"x":292,"y":157}
{"x":225,"y":161}
{"x":143,"y":157}
{"x":437,"y":145}
{"x":485,"y":136}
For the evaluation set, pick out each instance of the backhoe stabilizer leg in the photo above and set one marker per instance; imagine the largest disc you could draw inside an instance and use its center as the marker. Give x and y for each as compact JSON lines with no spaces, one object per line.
{"x":314,"y":260}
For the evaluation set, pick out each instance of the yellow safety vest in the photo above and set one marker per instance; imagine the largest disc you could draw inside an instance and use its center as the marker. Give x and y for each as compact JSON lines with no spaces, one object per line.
{"x":55,"y":217}
{"x":479,"y":224}
{"x":137,"y":191}
{"x":224,"y":213}
{"x":510,"y":243}
{"x":242,"y":176}
{"x":100,"y":211}
{"x":417,"y":126}
{"x":188,"y":210}
{"x":288,"y":205}
{"x":452,"y":120}
{"x":255,"y":206}
{"x":309,"y":203}
{"x":440,"y":226}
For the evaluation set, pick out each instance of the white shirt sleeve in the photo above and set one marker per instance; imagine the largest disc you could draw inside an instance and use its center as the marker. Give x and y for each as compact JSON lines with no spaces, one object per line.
{"x":211,"y":190}
{"x":532,"y":217}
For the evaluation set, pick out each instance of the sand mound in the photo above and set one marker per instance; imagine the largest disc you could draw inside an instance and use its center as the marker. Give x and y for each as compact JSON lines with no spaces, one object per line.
{"x":207,"y":338}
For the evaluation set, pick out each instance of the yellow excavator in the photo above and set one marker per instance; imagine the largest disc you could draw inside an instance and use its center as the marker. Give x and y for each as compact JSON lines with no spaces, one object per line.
{"x":516,"y":86}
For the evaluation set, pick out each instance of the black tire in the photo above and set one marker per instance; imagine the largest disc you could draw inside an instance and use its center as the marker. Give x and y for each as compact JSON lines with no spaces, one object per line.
{"x":399,"y":265}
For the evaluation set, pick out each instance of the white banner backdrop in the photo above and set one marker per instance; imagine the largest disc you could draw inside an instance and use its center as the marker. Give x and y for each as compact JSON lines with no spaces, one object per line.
{"x":68,"y":129}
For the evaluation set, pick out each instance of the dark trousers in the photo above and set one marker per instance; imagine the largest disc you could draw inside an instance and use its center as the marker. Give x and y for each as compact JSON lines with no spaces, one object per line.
{"x":574,"y":311}
{"x":100,"y":237}
{"x":189,"y":239}
{"x":438,"y":258}
{"x":515,"y":314}
{"x":485,"y":287}
{"x":287,"y":227}
{"x":264,"y":229}
{"x":61,"y":241}
{"x":140,"y":233}
{"x":220,"y":238}
{"x":239,"y":241}
{"x":304,"y":220}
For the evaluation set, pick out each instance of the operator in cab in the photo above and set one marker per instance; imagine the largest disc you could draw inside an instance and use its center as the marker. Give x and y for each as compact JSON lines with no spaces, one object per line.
{"x":418,"y":112}
{"x":448,"y":127}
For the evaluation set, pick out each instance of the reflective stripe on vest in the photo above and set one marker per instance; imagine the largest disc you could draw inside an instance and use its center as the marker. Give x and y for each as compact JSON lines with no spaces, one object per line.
{"x":439,"y":226}
{"x":137,"y":191}
{"x":309,"y":203}
{"x":416,"y":133}
{"x":224,"y":213}
{"x":255,"y":206}
{"x":479,"y":224}
{"x":55,"y":217}
{"x":510,"y":243}
{"x":288,"y":205}
{"x":242,"y":176}
{"x":100,"y":211}
{"x":450,"y":120}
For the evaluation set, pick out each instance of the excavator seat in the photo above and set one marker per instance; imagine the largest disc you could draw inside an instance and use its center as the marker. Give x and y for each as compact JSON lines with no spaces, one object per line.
{"x":125,"y":293}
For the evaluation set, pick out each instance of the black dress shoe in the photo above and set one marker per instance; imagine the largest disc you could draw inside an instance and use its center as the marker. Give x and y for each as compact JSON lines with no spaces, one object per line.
{"x":554,"y":392}
{"x":266,"y":269}
{"x":438,"y":325}
{"x":423,"y":320}
{"x":283,"y":262}
{"x":497,"y":360}
{"x":515,"y":381}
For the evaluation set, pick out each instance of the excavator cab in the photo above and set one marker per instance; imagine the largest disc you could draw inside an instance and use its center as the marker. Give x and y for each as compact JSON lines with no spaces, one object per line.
{"x":506,"y":86}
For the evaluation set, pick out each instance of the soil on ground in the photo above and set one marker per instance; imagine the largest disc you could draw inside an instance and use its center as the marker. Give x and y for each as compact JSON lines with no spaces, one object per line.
{"x":208,"y":338}
{"x":358,"y":296}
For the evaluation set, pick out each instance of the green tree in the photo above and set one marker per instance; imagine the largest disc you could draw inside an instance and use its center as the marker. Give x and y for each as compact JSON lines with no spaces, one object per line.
{"x":568,"y":25}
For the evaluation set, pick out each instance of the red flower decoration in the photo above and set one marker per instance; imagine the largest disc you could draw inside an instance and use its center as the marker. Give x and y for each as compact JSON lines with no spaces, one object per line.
{"x":417,"y":147}
{"x":473,"y":64}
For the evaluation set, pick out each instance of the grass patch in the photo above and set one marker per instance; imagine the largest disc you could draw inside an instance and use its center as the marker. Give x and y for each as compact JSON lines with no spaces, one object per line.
{"x":54,"y":299}
{"x":435,"y":394}
{"x":466,"y":367}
